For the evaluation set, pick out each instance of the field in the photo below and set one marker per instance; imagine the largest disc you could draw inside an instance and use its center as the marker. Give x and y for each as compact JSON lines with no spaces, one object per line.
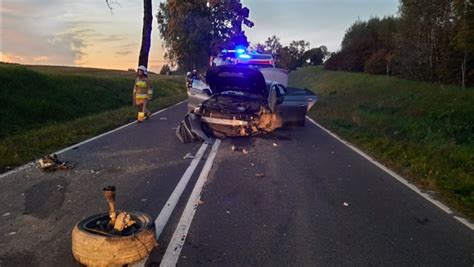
{"x":45,"y":108}
{"x":424,"y":131}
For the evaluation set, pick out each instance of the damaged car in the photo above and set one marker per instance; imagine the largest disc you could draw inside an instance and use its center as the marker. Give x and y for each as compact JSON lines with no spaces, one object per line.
{"x":238,"y":101}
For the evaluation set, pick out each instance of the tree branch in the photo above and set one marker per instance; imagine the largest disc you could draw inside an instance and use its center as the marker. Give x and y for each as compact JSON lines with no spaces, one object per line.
{"x":111,"y":4}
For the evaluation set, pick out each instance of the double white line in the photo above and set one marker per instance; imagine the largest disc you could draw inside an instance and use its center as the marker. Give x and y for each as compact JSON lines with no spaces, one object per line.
{"x":179,"y":237}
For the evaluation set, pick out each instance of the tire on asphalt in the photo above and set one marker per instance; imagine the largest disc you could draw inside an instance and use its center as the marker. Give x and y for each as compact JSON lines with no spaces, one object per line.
{"x":95,"y":249}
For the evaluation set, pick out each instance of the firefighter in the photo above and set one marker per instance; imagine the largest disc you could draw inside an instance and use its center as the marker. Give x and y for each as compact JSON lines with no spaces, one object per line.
{"x":189,"y":79}
{"x":195,"y":75}
{"x":142,"y":93}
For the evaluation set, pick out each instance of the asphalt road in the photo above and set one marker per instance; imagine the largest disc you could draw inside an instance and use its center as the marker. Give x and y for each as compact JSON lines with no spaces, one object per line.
{"x":298,"y":197}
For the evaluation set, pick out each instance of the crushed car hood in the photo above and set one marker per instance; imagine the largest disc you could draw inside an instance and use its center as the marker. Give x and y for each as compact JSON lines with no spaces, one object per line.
{"x":237,"y":79}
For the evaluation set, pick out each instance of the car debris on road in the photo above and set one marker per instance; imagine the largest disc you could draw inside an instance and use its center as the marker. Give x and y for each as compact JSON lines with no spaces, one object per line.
{"x":239,"y":149}
{"x":188,"y":156}
{"x":115,"y":238}
{"x":52,"y":163}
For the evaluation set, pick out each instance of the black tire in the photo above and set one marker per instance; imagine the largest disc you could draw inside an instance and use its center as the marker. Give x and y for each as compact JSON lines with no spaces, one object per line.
{"x":95,"y":249}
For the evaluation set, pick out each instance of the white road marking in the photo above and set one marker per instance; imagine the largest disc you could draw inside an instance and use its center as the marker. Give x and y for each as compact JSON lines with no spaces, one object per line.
{"x":165,"y":213}
{"x":179,"y":237}
{"x":31,"y":164}
{"x":465,"y":222}
{"x":394,"y":175}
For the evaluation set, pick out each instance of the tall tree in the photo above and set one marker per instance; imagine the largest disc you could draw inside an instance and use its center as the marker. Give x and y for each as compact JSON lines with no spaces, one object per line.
{"x":146,"y":33}
{"x":273,"y":44}
{"x":296,"y":51}
{"x":194,"y":29}
{"x":367,"y":46}
{"x":464,"y":39}
{"x":423,"y":42}
{"x":146,"y":30}
{"x":185,"y":28}
{"x":227,"y":19}
{"x":316,"y":56}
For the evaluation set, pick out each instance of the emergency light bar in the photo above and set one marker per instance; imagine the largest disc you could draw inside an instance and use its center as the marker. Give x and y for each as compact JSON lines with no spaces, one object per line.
{"x":245,"y":56}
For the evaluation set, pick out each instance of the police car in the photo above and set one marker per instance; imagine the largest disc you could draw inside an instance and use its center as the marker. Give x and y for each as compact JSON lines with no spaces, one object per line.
{"x":241,"y":56}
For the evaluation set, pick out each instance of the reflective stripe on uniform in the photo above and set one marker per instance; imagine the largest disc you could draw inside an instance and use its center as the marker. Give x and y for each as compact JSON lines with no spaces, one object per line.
{"x":141,"y":96}
{"x":141,"y":84}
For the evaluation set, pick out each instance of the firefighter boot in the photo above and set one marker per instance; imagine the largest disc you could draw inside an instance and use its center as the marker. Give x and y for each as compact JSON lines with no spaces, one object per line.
{"x":141,"y":116}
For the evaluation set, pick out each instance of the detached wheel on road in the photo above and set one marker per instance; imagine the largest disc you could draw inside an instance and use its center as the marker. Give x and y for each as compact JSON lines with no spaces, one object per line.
{"x":93,"y":247}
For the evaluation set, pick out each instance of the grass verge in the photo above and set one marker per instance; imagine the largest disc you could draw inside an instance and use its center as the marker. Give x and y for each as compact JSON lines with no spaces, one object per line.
{"x":424,"y":131}
{"x":46,"y":108}
{"x":21,"y":148}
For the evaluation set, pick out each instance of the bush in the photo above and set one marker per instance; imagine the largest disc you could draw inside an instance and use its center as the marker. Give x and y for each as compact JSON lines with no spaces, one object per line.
{"x":377,"y":63}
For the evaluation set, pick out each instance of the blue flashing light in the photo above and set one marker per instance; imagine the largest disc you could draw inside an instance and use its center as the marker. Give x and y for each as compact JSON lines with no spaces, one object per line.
{"x":240,"y":50}
{"x":245,"y":56}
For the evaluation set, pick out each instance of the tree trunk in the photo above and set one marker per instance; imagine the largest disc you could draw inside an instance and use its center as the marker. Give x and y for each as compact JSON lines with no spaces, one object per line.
{"x":146,"y":33}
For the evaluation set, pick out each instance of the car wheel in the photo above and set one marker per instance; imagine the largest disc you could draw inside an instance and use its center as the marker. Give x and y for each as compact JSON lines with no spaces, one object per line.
{"x":94,"y":248}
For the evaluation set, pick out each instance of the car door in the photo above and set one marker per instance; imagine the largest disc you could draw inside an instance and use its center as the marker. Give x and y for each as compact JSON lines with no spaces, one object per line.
{"x":293,"y":108}
{"x":197,"y":93}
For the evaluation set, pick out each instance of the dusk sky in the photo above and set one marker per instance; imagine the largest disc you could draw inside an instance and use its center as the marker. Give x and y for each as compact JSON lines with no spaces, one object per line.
{"x":86,"y":33}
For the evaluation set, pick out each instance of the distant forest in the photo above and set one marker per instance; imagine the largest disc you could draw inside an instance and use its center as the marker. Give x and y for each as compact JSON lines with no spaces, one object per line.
{"x":430,"y":40}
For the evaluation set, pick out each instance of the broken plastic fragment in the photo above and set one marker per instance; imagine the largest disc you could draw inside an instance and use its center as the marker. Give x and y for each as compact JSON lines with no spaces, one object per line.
{"x":240,"y":149}
{"x":52,"y":163}
{"x":190,"y":130}
{"x":123,"y":221}
{"x":188,"y":156}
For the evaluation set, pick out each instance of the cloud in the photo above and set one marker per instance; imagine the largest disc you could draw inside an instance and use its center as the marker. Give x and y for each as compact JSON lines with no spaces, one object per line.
{"x":33,"y":33}
{"x":124,"y":53}
{"x":83,"y":33}
{"x":110,"y":38}
{"x":40,"y":59}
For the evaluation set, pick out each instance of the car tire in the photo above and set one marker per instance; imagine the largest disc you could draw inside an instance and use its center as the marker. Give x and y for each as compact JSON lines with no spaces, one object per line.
{"x":96,"y":249}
